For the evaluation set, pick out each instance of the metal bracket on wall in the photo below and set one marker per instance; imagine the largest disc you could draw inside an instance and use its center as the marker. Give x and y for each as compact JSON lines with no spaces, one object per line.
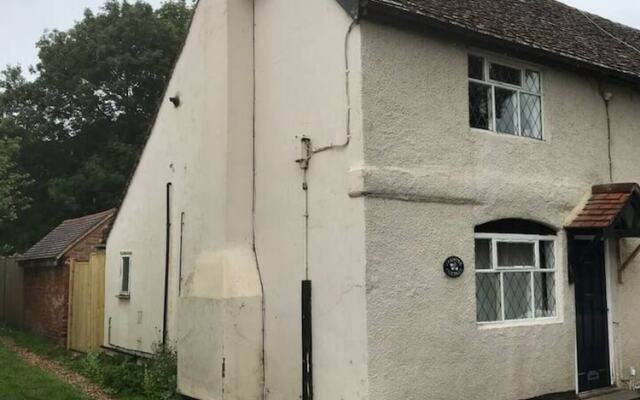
{"x":623,"y":265}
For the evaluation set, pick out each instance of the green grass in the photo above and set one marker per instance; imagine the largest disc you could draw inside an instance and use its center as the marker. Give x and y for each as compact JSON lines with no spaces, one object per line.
{"x":39,"y":345}
{"x":20,"y":381}
{"x":124,"y":377}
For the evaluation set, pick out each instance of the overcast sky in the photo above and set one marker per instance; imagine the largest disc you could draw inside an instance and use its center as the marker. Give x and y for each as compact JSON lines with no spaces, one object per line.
{"x":22,"y":22}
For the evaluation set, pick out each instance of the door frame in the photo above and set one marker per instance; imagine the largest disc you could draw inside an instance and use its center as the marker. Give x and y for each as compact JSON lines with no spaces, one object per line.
{"x":608,"y":261}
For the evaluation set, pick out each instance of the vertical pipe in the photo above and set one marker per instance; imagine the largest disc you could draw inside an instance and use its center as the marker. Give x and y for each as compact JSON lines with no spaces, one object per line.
{"x":166,"y":266}
{"x":609,"y":144}
{"x":180,"y":255}
{"x":307,"y":345}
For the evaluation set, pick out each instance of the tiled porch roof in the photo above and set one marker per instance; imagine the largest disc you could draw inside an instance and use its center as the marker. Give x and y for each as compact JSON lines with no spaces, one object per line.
{"x":604,"y":205}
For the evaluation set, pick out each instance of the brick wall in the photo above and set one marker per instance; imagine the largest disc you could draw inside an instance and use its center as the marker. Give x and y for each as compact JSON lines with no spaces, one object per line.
{"x":84,"y":248}
{"x":46,"y":301}
{"x":46,"y":290}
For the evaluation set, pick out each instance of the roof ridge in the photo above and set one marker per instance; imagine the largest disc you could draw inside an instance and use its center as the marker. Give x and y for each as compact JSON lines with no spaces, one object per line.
{"x":105,"y":212}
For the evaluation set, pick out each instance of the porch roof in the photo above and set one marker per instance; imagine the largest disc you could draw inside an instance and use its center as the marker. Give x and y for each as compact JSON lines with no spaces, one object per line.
{"x":612,"y":206}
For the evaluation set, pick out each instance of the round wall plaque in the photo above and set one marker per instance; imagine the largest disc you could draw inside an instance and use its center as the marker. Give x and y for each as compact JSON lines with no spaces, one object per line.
{"x":453,"y":267}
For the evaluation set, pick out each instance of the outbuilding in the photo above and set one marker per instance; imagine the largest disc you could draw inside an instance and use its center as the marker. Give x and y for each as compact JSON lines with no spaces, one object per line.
{"x":57,"y":270}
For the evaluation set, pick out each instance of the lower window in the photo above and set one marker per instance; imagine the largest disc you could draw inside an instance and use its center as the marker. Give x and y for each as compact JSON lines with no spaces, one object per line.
{"x":515,"y":277}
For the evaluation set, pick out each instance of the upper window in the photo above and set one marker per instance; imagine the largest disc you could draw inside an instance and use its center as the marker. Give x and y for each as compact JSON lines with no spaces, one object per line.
{"x":515,"y":277}
{"x":504,"y":98}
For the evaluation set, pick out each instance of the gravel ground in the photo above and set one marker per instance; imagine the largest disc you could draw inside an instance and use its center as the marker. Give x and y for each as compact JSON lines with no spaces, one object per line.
{"x":78,"y":381}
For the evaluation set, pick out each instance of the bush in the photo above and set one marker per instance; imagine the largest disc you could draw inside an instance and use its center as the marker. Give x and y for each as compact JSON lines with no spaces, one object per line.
{"x":160,"y":374}
{"x":152,"y":378}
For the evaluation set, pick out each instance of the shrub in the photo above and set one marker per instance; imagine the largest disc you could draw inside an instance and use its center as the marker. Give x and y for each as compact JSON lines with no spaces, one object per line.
{"x":153,"y":377}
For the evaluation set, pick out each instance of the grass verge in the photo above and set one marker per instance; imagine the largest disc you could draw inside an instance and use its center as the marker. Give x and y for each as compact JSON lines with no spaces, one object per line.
{"x":19,"y":380}
{"x":124,"y":377}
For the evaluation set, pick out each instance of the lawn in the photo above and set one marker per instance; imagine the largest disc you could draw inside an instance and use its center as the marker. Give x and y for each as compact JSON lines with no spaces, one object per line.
{"x":20,"y":381}
{"x":123,"y":377}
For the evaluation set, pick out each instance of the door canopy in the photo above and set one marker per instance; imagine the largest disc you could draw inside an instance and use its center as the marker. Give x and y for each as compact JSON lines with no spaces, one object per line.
{"x":612,"y":211}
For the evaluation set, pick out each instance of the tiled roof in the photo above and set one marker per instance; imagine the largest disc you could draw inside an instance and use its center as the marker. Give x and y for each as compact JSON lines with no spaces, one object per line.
{"x":604,"y":205}
{"x":548,"y":26}
{"x":56,"y":242}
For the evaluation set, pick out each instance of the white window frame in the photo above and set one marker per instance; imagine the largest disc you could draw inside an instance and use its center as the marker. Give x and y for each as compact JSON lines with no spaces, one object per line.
{"x":522,"y":67}
{"x":127,"y":293}
{"x":532,"y":269}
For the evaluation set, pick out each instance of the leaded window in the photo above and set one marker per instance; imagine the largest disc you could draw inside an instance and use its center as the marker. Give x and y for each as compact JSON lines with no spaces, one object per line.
{"x":515,"y":277}
{"x":504,"y":99}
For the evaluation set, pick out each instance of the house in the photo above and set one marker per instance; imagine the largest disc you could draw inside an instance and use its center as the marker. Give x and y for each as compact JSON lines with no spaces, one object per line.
{"x":388,"y":200}
{"x":48,"y":275}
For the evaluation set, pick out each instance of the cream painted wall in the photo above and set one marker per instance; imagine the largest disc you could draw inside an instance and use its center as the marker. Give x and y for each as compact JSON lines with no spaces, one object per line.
{"x":429,"y":179}
{"x":300,"y":90}
{"x":188,"y":147}
{"x":205,"y":148}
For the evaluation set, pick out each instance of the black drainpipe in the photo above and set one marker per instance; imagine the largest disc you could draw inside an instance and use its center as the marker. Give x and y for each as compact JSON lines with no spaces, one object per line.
{"x":307,"y":344}
{"x":166,"y":266}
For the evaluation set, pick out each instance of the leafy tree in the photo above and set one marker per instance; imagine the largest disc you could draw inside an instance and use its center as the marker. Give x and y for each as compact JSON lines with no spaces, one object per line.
{"x":84,"y":118}
{"x":12,"y":182}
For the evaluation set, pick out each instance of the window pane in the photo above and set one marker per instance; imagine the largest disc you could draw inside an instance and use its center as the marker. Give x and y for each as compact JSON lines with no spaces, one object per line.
{"x":517,"y":295}
{"x":483,"y":254}
{"x":476,"y":67}
{"x":506,"y":110}
{"x":505,"y":74}
{"x":532,"y":81}
{"x":547,"y":256}
{"x":516,"y":254}
{"x":125,"y":274}
{"x":488,"y":297}
{"x":545,"y":292}
{"x":531,"y":115}
{"x":480,"y":106}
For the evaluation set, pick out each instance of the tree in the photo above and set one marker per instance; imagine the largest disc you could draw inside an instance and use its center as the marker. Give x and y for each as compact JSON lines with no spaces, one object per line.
{"x":12,"y":182}
{"x":84,"y":118}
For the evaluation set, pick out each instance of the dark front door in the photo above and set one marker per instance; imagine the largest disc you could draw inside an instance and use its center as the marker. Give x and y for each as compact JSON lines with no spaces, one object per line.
{"x":591,"y":316}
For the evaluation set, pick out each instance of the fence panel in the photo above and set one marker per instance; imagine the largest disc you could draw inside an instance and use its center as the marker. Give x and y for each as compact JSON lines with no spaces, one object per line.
{"x":11,"y":293}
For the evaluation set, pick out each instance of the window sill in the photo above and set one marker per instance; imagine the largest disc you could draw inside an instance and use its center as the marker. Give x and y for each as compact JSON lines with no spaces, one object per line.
{"x":507,"y":135}
{"x":123,"y":296}
{"x":521,"y":323}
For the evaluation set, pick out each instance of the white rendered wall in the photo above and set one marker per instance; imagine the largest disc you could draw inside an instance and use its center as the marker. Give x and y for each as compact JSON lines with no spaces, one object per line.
{"x":430,"y":179}
{"x":300,"y":90}
{"x":204,"y":148}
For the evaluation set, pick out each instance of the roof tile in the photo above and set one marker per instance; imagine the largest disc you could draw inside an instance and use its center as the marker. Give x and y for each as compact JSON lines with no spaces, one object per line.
{"x":604,"y":205}
{"x":542,"y":25}
{"x":64,"y":235}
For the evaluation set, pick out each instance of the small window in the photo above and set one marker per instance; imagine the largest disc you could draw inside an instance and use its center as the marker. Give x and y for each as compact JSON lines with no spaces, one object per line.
{"x":515,"y":277}
{"x":504,"y":99}
{"x":126,"y":272}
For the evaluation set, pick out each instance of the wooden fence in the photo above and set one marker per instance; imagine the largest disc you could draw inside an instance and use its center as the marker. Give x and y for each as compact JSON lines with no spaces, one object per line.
{"x":11,"y":293}
{"x":86,"y":304}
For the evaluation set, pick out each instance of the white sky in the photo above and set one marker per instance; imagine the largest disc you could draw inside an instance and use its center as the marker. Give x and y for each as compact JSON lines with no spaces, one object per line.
{"x":22,"y":22}
{"x":624,"y":11}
